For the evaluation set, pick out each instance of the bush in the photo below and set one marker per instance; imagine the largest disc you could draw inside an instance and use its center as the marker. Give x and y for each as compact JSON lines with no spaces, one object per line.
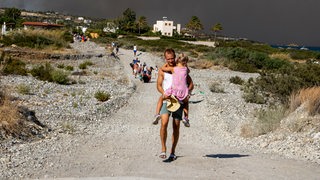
{"x":23,"y":89}
{"x":48,"y":73}
{"x":252,"y":93}
{"x":102,"y":96}
{"x":236,"y":80}
{"x":60,"y":66}
{"x":59,"y":76}
{"x":215,"y":88}
{"x":69,"y":68}
{"x":42,"y":72}
{"x":268,"y":120}
{"x":85,"y":64}
{"x":16,"y":67}
{"x":310,"y":96}
{"x":38,"y":38}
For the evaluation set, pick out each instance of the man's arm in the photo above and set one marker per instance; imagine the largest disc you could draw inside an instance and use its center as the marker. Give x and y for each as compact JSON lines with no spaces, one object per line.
{"x":167,"y":68}
{"x":159,"y":81}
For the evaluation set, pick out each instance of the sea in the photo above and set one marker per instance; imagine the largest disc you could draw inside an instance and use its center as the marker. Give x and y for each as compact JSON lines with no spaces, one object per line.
{"x":310,"y":48}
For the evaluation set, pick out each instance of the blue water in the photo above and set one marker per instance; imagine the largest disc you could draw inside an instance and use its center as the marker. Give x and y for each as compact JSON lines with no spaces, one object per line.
{"x":311,"y":48}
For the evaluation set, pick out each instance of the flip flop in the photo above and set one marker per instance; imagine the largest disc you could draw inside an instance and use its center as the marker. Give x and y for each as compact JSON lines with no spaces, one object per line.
{"x":163,"y":155}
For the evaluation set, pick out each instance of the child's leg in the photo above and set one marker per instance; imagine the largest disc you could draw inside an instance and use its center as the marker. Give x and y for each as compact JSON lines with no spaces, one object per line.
{"x":158,"y":109}
{"x":159,"y":105}
{"x":186,"y":107}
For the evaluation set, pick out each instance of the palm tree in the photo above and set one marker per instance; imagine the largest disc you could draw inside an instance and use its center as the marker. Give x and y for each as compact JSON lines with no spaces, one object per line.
{"x":216,"y":28}
{"x":142,"y":22}
{"x":194,"y":25}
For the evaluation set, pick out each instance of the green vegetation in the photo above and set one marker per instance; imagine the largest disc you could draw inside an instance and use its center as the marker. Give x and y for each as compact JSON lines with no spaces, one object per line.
{"x":48,"y":73}
{"x":23,"y":89}
{"x":102,"y":96}
{"x":13,"y":66}
{"x":236,"y":80}
{"x":37,"y":39}
{"x":267,"y":121}
{"x":11,"y":16}
{"x":85,"y":64}
{"x":215,"y":87}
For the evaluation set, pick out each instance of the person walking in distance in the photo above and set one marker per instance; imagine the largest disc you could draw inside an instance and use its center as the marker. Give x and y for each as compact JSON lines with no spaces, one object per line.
{"x":164,"y":81}
{"x":134,"y":50}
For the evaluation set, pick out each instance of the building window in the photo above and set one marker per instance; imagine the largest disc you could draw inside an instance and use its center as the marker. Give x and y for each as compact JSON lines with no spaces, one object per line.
{"x":168,"y":34}
{"x":169,"y":24}
{"x":165,"y":24}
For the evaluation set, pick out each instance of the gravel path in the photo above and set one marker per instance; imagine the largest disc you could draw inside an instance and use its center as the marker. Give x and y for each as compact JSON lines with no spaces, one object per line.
{"x":115,"y":139}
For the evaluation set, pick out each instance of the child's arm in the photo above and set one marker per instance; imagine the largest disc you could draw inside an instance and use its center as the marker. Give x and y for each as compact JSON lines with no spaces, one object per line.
{"x":167,"y":68}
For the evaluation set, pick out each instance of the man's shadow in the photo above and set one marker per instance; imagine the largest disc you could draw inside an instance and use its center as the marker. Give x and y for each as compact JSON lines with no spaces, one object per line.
{"x":226,"y":155}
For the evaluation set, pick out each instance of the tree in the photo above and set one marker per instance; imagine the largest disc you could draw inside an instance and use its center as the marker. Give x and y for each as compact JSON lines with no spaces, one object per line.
{"x":142,"y":24}
{"x":194,"y":25}
{"x":216,"y":28}
{"x":12,"y":16}
{"x":127,"y":21}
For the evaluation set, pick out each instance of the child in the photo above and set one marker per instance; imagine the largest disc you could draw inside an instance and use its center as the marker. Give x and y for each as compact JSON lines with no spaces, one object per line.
{"x":156,"y":72}
{"x":178,"y":88}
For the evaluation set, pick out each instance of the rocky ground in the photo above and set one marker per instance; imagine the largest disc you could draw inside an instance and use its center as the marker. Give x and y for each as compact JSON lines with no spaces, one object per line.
{"x":87,"y":138}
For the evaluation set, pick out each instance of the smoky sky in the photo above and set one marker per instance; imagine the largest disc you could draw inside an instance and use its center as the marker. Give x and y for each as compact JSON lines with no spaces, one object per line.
{"x":270,"y":21}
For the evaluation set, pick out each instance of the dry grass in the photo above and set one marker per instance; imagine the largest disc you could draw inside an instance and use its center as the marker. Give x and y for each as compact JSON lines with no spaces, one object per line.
{"x":9,"y":116}
{"x":200,"y":64}
{"x":284,"y":56}
{"x":310,"y":97}
{"x":268,"y":120}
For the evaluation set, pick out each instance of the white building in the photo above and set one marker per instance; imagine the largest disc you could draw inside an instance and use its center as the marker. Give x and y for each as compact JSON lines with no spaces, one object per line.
{"x":166,"y":27}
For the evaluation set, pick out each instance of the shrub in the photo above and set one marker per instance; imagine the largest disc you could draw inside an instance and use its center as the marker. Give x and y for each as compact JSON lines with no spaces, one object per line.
{"x":236,"y":80}
{"x":69,"y":68}
{"x":59,"y":76}
{"x":23,"y":89}
{"x":9,"y":117}
{"x":83,"y":66}
{"x":310,"y":96}
{"x":252,"y":93}
{"x":215,"y":88}
{"x":37,"y":38}
{"x":60,"y":66}
{"x":102,"y":96}
{"x":42,"y":72}
{"x":268,"y":120}
{"x":13,"y":66}
{"x":48,"y":73}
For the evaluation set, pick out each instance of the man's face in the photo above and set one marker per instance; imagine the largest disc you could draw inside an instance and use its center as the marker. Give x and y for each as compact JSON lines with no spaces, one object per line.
{"x":170,"y":59}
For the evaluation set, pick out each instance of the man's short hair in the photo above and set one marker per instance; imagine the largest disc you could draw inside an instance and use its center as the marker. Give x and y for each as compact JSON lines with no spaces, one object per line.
{"x":170,"y":51}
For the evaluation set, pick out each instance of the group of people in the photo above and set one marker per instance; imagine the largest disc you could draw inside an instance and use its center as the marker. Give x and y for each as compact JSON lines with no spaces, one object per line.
{"x":142,"y":70}
{"x":175,"y":85}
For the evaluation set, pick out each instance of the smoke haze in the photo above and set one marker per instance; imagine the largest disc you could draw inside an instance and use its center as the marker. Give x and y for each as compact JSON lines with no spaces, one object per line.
{"x":271,"y":21}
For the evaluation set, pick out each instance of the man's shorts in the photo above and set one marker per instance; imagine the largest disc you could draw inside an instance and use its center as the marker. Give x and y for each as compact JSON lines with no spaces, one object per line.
{"x":177,"y":115}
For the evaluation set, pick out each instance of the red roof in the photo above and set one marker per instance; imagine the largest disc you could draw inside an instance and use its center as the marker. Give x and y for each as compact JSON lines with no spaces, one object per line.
{"x":41,"y":24}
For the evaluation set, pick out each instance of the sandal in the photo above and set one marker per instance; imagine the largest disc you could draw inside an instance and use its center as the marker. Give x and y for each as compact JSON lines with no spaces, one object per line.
{"x":173,"y":157}
{"x":163,"y":155}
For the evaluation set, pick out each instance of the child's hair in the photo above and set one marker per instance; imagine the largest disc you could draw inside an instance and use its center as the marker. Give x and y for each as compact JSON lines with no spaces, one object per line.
{"x":182,"y":59}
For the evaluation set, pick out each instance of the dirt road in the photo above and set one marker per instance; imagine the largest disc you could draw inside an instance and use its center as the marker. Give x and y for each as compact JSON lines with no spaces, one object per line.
{"x":130,"y":145}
